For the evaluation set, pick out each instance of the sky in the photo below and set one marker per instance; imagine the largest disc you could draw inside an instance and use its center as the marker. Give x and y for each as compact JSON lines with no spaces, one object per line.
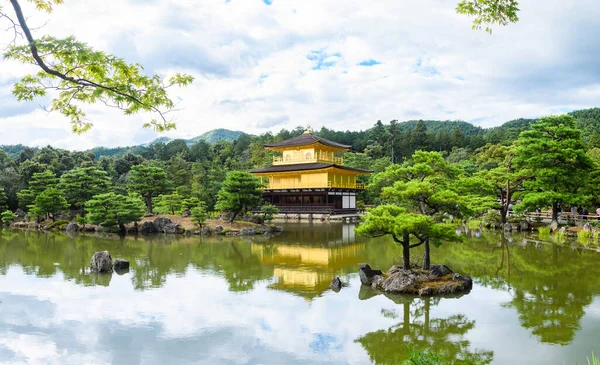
{"x":264,"y":65}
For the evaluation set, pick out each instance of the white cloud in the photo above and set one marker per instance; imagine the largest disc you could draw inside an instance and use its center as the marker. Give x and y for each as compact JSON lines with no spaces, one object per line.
{"x":251,"y":66}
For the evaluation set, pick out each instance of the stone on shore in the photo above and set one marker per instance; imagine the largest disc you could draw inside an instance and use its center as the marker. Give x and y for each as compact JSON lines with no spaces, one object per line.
{"x":72,"y":227}
{"x":147,"y":228}
{"x":161,"y":222}
{"x":101,"y":262}
{"x":172,"y":228}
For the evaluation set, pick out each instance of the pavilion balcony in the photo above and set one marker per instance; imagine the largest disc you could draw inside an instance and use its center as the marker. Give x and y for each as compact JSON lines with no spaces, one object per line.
{"x":301,"y":158}
{"x":301,"y":185}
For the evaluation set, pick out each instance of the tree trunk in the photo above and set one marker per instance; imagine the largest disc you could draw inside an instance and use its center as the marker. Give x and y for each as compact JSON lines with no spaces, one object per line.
{"x":235,"y":214}
{"x":503,"y":213}
{"x":426,"y":256}
{"x":122,"y":228}
{"x":406,"y":250}
{"x":555,"y":212}
{"x":149,"y":204}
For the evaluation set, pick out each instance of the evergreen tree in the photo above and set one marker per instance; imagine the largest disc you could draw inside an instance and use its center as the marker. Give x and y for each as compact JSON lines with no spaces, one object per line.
{"x":553,"y":154}
{"x":148,"y":181}
{"x":241,"y":192}
{"x":112,"y":211}
{"x":199,"y":214}
{"x":81,"y":184}
{"x":169,"y":204}
{"x":49,"y":203}
{"x":41,"y":181}
{"x":3,"y":199}
{"x":419,"y":137}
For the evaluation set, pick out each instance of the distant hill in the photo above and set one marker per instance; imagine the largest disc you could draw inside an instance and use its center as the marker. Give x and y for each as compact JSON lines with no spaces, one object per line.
{"x":434,"y":126}
{"x":211,"y":137}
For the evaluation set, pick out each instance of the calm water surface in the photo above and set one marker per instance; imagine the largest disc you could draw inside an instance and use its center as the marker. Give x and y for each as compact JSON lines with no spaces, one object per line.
{"x":234,"y":301}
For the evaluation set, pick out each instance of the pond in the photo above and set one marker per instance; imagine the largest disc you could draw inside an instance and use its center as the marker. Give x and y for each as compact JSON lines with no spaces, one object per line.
{"x":193,"y":300}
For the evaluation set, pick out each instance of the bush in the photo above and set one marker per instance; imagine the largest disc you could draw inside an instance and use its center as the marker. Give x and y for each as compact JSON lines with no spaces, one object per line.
{"x":544,"y":231}
{"x":8,"y":216}
{"x":268,"y":211}
{"x":199,"y":214}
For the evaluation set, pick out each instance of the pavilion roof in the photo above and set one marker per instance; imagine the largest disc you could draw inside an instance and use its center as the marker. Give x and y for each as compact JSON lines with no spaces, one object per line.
{"x":305,"y":167}
{"x":306,"y":139}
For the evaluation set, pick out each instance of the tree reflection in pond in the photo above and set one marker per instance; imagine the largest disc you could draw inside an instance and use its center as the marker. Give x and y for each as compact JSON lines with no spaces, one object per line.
{"x":419,"y":331}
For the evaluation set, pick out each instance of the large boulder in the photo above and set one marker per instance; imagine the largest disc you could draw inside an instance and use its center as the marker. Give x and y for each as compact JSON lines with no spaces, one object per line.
{"x":147,"y":228}
{"x":172,"y":228}
{"x":440,"y":270}
{"x":276,"y":229}
{"x":366,"y":274}
{"x":401,"y":281}
{"x":205,"y":231}
{"x":587,"y":226}
{"x":72,"y":227}
{"x":219,"y":229}
{"x":121,"y":265}
{"x":161,"y":222}
{"x":101,"y":262}
{"x":554,"y":226}
{"x":508,"y":227}
{"x":336,"y":284}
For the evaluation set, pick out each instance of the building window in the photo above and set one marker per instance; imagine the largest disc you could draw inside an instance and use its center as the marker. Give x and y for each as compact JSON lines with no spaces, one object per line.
{"x":308,"y":156}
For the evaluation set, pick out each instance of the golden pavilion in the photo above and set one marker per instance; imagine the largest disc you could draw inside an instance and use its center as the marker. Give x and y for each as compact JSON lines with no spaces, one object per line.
{"x":309,"y":177}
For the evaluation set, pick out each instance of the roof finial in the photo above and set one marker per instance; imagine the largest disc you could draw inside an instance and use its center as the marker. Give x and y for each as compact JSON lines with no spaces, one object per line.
{"x":308,"y":129}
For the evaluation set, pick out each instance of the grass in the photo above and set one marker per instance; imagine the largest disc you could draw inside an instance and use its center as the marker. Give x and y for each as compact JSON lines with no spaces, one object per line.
{"x":431,"y":357}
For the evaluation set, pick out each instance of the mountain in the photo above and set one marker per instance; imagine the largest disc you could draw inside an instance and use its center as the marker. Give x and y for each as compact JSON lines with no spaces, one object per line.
{"x":210,"y":137}
{"x":434,"y":126}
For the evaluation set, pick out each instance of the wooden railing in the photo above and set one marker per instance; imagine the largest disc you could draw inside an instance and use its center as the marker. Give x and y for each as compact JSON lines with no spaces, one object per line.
{"x":297,"y":159}
{"x":304,"y":185}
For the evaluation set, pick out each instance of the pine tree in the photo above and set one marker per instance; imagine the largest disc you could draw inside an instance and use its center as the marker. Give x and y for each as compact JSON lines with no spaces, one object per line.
{"x":240,"y":193}
{"x":49,"y":203}
{"x":81,"y":184}
{"x":553,"y":154}
{"x":148,"y":181}
{"x":113,"y":211}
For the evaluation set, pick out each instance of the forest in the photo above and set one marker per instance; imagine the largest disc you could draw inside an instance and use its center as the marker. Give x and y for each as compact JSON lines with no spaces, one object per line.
{"x":171,"y":176}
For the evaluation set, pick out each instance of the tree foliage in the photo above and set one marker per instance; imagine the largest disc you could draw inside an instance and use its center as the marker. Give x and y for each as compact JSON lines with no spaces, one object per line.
{"x":554,"y":155}
{"x":49,"y":203}
{"x":81,"y":184}
{"x":112,"y":211}
{"x":489,"y":12}
{"x":78,"y":74}
{"x":148,"y":181}
{"x":240,"y":193}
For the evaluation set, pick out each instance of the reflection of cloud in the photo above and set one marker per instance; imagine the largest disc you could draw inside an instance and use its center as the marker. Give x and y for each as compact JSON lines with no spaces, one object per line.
{"x":194,"y":318}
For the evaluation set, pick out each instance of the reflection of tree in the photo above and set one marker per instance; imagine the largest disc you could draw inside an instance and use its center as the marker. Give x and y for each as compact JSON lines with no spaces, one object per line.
{"x":551,"y":285}
{"x":392,"y":346}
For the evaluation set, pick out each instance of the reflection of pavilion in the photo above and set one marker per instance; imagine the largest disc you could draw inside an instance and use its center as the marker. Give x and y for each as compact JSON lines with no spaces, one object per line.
{"x":311,"y":256}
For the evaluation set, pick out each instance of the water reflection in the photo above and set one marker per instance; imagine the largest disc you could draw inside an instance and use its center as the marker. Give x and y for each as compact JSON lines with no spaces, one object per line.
{"x":418,"y":329}
{"x":267,"y":301}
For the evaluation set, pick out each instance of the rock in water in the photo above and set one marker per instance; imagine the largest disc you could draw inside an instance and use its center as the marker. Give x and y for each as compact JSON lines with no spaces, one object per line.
{"x":336,"y":284}
{"x":161,"y":222}
{"x":121,"y":265}
{"x":587,"y":226}
{"x":401,"y":281}
{"x":101,"y":262}
{"x":524,"y":226}
{"x":508,"y":227}
{"x":366,"y":274}
{"x":72,"y":227}
{"x":219,"y":229}
{"x":147,"y":228}
{"x":554,"y":226}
